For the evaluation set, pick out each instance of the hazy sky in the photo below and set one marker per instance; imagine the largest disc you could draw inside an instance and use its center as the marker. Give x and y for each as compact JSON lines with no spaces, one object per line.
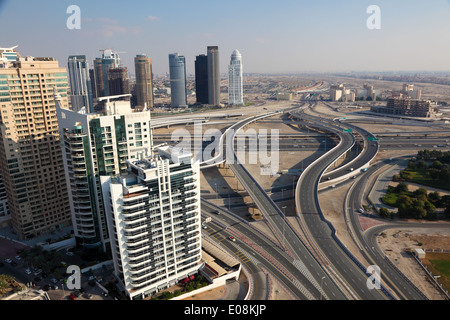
{"x":273,"y":36}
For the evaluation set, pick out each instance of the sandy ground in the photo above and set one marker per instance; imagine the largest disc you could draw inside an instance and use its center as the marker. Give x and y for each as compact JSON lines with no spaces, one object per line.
{"x":394,"y":242}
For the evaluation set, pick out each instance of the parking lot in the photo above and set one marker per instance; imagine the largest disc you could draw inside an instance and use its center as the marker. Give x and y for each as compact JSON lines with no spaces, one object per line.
{"x":54,"y":280}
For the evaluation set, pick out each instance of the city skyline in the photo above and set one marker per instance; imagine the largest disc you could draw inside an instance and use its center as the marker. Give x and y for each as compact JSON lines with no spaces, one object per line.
{"x":313,"y":37}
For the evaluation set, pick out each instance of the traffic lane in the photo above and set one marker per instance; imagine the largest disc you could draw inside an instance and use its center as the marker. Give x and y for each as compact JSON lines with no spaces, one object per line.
{"x":276,"y":252}
{"x":270,"y":250}
{"x":239,"y":245}
{"x":323,"y":236}
{"x":218,"y":233}
{"x":392,"y":278}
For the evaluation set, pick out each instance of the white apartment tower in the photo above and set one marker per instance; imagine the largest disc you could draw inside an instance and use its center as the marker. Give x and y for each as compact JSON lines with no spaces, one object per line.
{"x":98,"y":144}
{"x":235,"y":80}
{"x":153,"y":215}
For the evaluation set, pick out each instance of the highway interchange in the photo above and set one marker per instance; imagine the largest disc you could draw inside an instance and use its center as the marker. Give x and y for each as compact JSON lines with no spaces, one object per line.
{"x":319,"y":267}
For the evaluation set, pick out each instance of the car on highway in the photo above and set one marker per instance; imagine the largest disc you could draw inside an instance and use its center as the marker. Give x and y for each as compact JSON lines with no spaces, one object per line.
{"x":232,"y":238}
{"x":216,"y":212}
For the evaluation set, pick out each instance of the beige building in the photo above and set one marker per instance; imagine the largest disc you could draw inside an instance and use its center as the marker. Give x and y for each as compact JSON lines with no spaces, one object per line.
{"x":32,"y":167}
{"x":405,"y":106}
{"x":284,"y":96}
{"x":144,"y":81}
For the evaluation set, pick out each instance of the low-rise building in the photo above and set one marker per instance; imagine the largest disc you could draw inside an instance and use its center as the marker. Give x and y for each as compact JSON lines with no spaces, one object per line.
{"x":405,"y":106}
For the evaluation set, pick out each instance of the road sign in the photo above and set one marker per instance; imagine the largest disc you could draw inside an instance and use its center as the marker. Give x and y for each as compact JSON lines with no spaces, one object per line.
{"x":348,"y":130}
{"x":373,"y":139}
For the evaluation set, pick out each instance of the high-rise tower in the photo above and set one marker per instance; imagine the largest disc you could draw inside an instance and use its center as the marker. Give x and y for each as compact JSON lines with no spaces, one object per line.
{"x":177,"y":68}
{"x":31,"y":162}
{"x":118,"y":82}
{"x":144,"y":81}
{"x":80,"y":83}
{"x":213,"y":76}
{"x":235,"y":80}
{"x":99,"y":144}
{"x":154,"y":218}
{"x":201,"y":79}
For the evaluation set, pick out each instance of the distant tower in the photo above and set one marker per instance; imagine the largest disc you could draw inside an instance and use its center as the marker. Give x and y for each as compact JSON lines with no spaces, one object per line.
{"x":144,"y":81}
{"x":201,"y":79}
{"x":213,"y":75}
{"x":80,"y":83}
{"x":110,"y":60}
{"x":118,"y":82}
{"x":235,"y":80}
{"x":177,"y":68}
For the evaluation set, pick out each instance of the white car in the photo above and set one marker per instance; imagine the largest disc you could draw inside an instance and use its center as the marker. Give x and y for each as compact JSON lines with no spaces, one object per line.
{"x":18,"y":258}
{"x":8,"y":261}
{"x":28,"y":271}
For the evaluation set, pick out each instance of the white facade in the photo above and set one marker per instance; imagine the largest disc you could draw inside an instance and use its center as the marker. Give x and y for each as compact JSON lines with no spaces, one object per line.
{"x":154,"y":220}
{"x":94,"y":145}
{"x":80,"y":83}
{"x":235,"y":80}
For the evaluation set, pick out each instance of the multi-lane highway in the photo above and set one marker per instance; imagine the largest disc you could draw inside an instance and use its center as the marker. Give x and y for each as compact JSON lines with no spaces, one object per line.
{"x":313,"y":272}
{"x":260,"y":252}
{"x":300,"y":269}
{"x":322,"y":232}
{"x":403,"y":288}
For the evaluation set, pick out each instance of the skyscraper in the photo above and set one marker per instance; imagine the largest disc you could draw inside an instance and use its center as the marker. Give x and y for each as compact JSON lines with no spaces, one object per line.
{"x":201,"y":79}
{"x":154,"y":218}
{"x":213,"y":75}
{"x":144,"y":81}
{"x":98,"y":144}
{"x":118,"y":82}
{"x":235,"y":80}
{"x":32,"y":166}
{"x":98,"y":79}
{"x":110,"y":60}
{"x":177,"y":70}
{"x":80,"y":83}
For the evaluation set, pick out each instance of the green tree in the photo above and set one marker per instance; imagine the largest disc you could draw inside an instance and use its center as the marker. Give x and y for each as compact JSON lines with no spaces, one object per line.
{"x":5,"y":282}
{"x":434,"y":197}
{"x":421,"y":192}
{"x":418,"y":210}
{"x":401,"y":187}
{"x":384,"y":212}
